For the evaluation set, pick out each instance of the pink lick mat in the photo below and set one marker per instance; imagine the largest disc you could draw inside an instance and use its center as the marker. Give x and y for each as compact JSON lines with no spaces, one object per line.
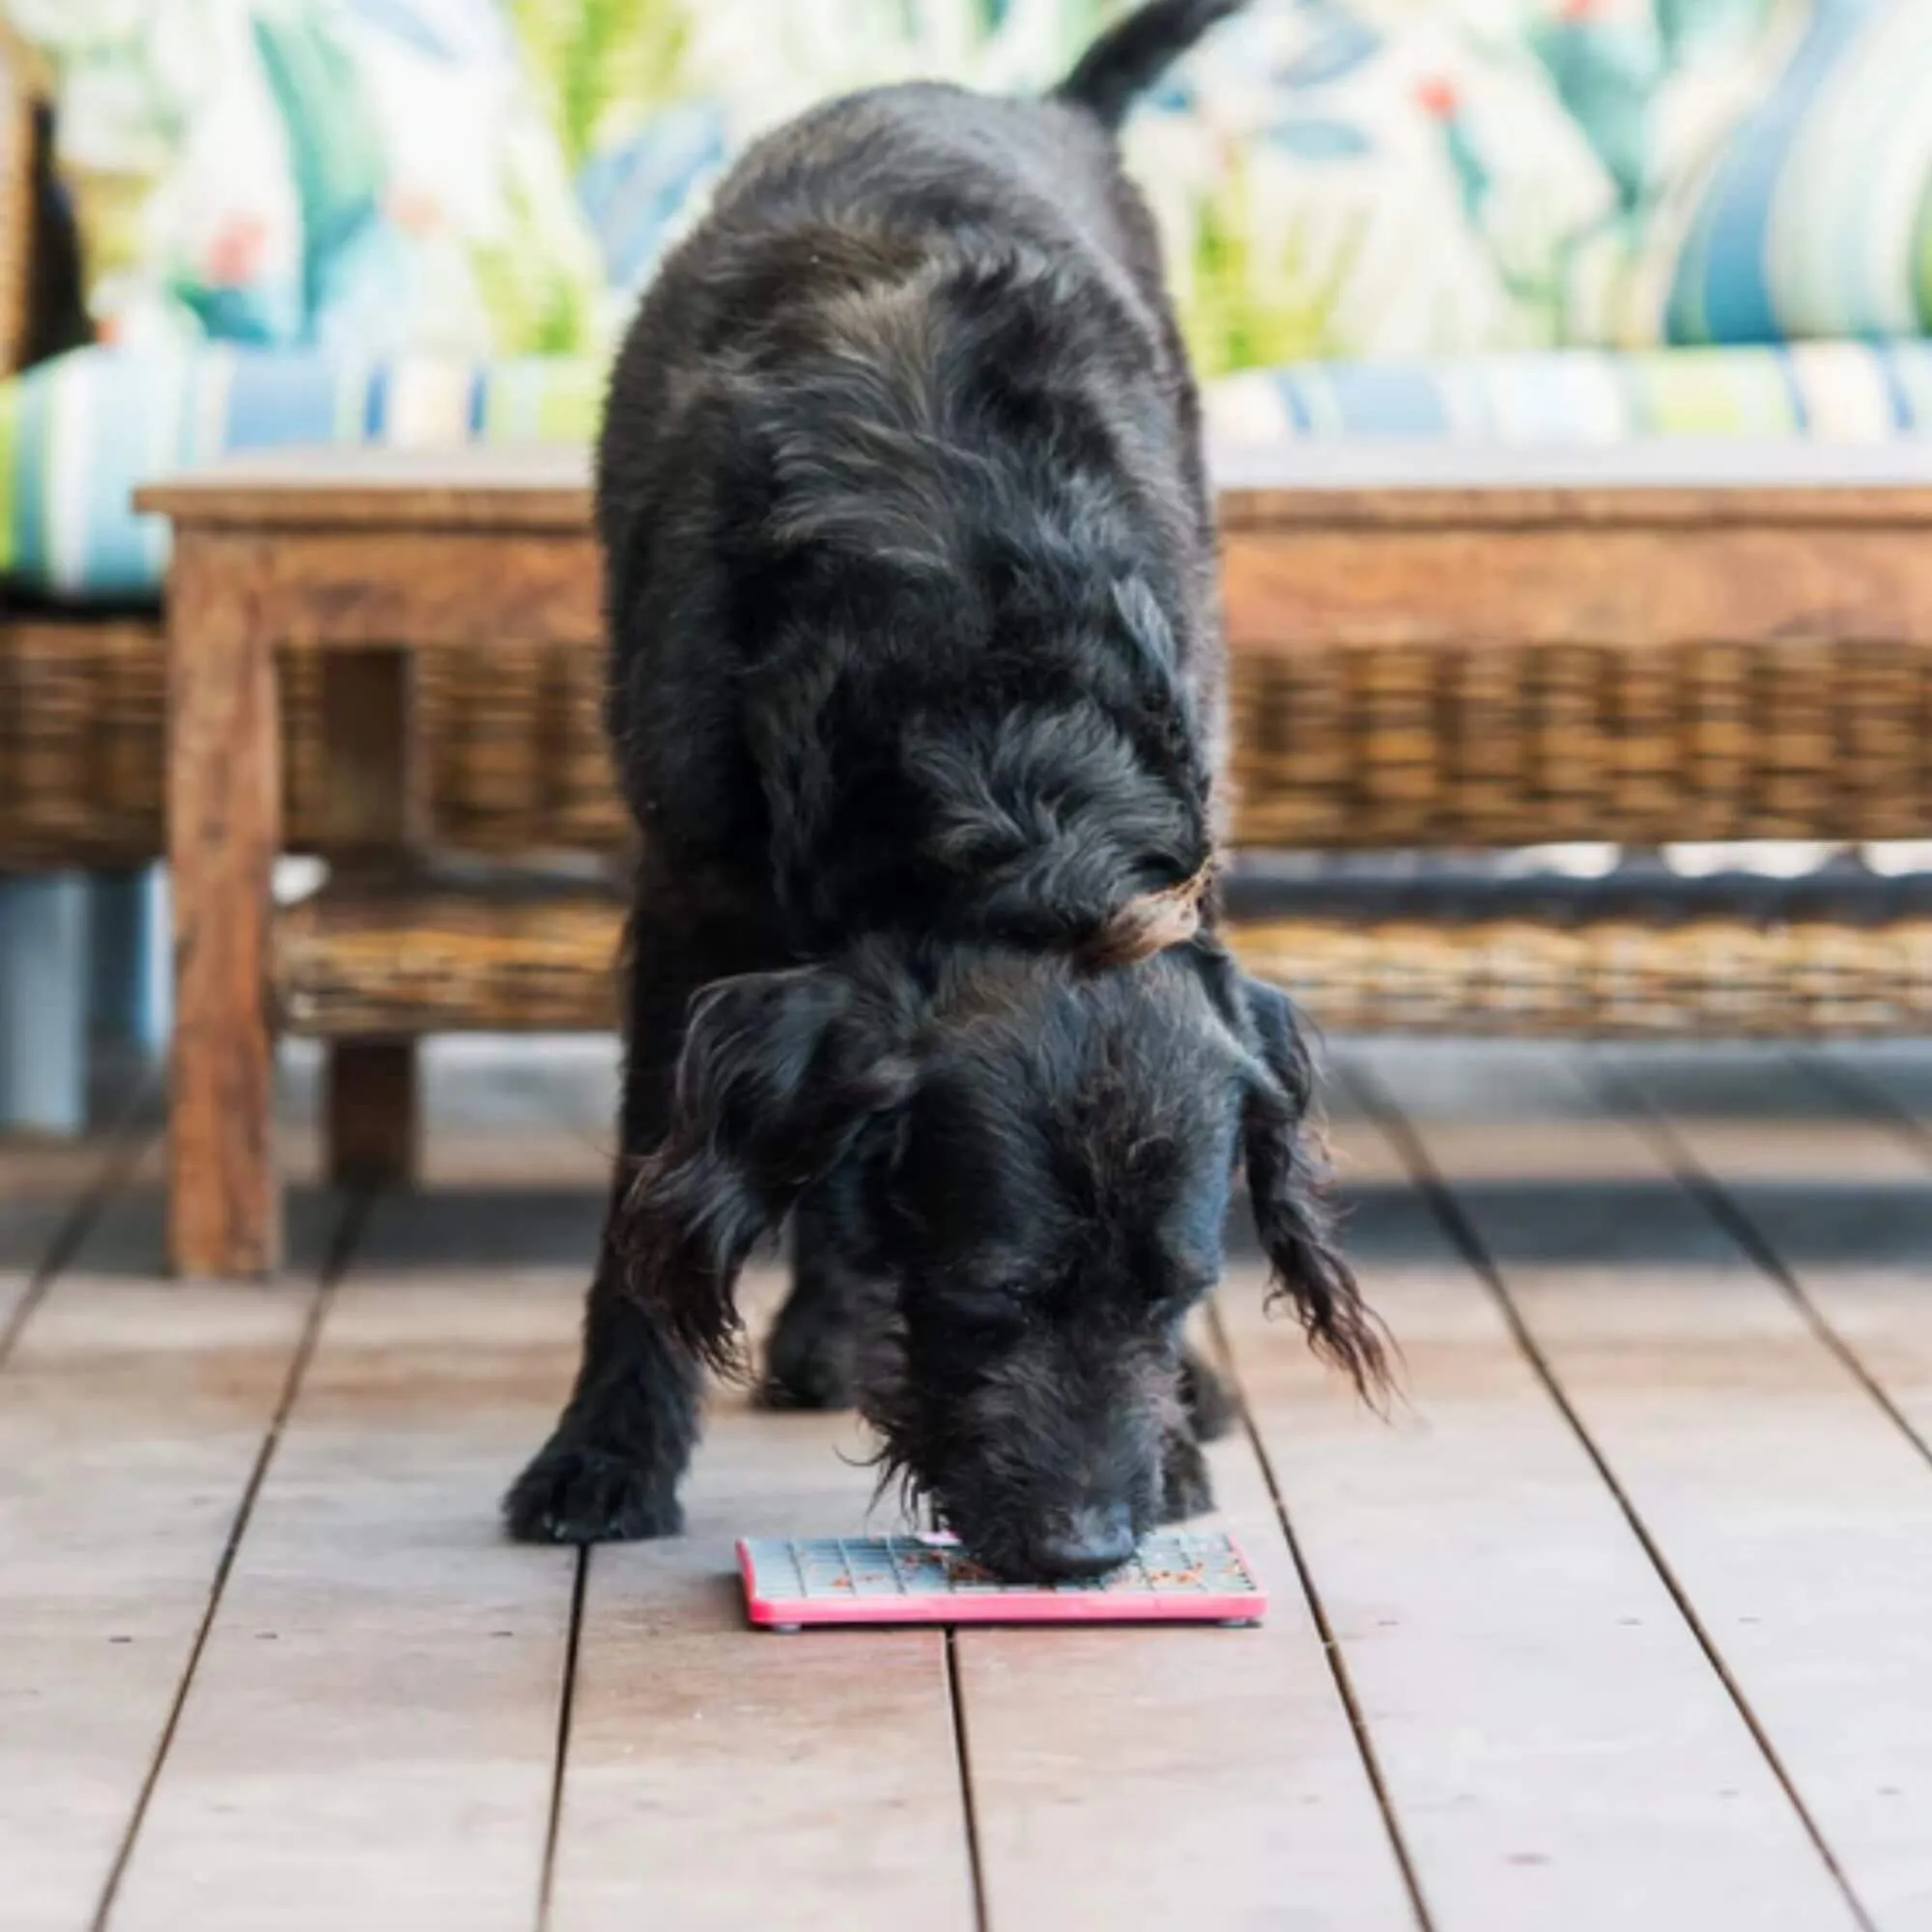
{"x":1175,"y":1575}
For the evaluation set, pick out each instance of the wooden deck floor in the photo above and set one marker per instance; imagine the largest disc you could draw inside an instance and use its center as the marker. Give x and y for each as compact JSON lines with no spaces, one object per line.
{"x":1624,"y":1619}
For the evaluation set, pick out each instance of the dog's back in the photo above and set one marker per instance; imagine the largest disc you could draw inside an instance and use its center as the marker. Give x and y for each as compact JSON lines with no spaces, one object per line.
{"x":909,"y":546}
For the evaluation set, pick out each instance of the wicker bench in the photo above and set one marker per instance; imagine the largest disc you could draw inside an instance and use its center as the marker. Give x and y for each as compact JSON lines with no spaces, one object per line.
{"x":1649,"y":644}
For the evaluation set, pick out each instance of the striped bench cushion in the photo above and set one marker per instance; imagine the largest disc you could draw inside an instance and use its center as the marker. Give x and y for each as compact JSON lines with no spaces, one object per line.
{"x":1834,"y":391}
{"x":78,"y":436}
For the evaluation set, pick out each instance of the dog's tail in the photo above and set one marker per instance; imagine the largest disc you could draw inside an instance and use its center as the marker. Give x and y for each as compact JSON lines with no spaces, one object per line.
{"x":1127,"y":59}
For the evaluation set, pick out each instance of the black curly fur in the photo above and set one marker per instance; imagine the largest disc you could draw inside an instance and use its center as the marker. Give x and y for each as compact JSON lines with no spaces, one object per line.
{"x":914,"y":665}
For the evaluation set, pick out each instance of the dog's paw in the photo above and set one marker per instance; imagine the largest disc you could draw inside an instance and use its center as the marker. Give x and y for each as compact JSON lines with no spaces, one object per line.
{"x":808,"y":1365}
{"x":1211,"y":1409}
{"x":1186,"y":1487}
{"x":577,"y":1494}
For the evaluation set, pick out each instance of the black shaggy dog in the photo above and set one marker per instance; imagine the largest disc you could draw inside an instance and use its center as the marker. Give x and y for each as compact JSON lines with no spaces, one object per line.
{"x":916,"y":671}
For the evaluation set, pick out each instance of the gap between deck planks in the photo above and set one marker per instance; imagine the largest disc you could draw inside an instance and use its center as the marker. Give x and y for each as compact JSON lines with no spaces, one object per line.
{"x":1832,"y":1195}
{"x":370,"y":1735}
{"x":134,"y":1413}
{"x":1554,"y":1745}
{"x":45,"y":1201}
{"x":1791,"y":1512}
{"x":1836,"y":1550}
{"x":52,"y":1193}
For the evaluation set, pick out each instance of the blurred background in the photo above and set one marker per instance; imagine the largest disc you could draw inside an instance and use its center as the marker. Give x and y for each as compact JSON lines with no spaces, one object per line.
{"x":1570,"y":403}
{"x":1490,"y":225}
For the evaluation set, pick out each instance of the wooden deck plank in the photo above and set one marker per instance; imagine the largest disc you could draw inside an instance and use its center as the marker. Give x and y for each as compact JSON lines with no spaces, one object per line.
{"x":724,"y":1777}
{"x":1554,"y":1745}
{"x":1796,"y":1519}
{"x":38,"y":1199}
{"x":370,"y":1740}
{"x":49,"y":1193}
{"x":14,"y":1285}
{"x":133,"y":1414}
{"x":1900,"y":1070}
{"x":383,"y":1758}
{"x":1142,"y":1779}
{"x":1839,"y":1195}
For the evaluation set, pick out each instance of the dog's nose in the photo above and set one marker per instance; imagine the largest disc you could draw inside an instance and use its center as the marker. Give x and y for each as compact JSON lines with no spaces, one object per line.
{"x":1087,"y":1544}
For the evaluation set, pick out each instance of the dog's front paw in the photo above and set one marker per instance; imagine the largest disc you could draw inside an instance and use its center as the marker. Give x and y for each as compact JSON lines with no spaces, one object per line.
{"x":1186,"y":1487}
{"x":573,"y":1492}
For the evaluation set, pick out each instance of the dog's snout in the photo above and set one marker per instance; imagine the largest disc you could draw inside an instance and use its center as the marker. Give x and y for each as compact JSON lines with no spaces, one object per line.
{"x":1089,"y":1542}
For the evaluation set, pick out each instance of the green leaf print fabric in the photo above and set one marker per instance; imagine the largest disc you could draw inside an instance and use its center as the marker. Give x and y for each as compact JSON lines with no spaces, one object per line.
{"x":1334,"y":179}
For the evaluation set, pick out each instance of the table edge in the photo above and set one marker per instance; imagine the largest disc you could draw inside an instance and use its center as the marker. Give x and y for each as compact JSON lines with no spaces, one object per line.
{"x":1273,"y":491}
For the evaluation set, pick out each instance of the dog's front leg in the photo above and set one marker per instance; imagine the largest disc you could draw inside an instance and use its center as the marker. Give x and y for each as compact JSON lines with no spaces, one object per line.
{"x":1211,"y":1409}
{"x":611,"y":1467}
{"x":1186,"y":1489}
{"x":1207,"y":1413}
{"x":812,"y":1360}
{"x":610,"y":1470}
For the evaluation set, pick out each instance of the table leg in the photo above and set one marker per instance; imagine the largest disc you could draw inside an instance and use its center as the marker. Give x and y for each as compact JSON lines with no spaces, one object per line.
{"x":372,"y":1116}
{"x":224,"y":834}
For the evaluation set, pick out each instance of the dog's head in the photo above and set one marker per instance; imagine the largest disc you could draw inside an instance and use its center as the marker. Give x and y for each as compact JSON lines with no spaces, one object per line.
{"x":1033,"y":1160}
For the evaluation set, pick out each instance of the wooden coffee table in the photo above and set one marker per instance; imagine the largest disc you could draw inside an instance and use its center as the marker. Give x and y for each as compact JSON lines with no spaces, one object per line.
{"x":366,"y":559}
{"x":1432,"y":646}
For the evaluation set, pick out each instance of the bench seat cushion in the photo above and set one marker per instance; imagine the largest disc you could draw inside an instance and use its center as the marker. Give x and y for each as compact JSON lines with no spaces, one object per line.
{"x":1830,"y":391}
{"x":79,"y":434}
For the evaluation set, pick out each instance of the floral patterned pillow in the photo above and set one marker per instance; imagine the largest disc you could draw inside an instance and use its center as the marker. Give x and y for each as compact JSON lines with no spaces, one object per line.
{"x":358,"y":175}
{"x":1360,"y":177}
{"x":1330,"y":178}
{"x":1333,"y":177}
{"x":1363,"y":178}
{"x":652,"y":100}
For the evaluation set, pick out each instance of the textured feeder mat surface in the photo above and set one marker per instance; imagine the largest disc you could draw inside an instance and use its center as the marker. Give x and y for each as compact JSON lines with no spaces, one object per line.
{"x":1174,"y":1575}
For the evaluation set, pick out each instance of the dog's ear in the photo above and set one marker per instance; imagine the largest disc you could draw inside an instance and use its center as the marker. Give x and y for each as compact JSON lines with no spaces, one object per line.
{"x":1289,"y":1189}
{"x":781,"y":1076}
